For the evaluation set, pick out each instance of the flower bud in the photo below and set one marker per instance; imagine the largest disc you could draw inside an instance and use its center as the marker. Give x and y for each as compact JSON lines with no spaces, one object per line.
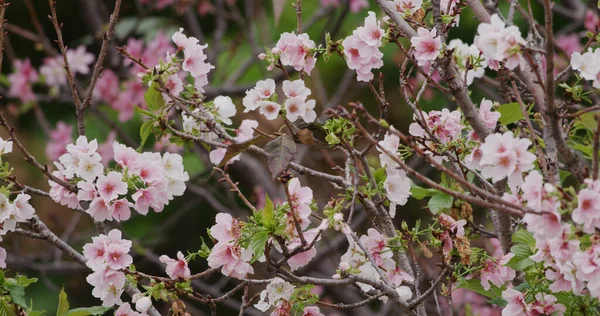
{"x":276,"y":51}
{"x":262,"y":56}
{"x":143,"y":304}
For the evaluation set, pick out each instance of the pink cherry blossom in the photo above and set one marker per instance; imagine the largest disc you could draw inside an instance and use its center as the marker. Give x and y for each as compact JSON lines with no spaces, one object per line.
{"x":226,"y":228}
{"x":300,"y":197}
{"x":111,"y":186}
{"x":176,"y":268}
{"x":53,"y":71}
{"x":269,"y":109}
{"x":427,"y":45}
{"x":545,"y":304}
{"x":23,"y":76}
{"x":591,"y":20}
{"x":456,"y":227}
{"x":496,"y":272}
{"x":489,"y":117}
{"x":232,"y":260}
{"x":397,"y":186}
{"x":182,"y":41}
{"x":225,"y":109}
{"x":499,"y":43}
{"x":361,"y":57}
{"x":59,"y":137}
{"x":125,"y":310}
{"x":505,"y":156}
{"x":99,"y":209}
{"x":569,"y":43}
{"x":108,"y":286}
{"x":295,"y":50}
{"x":80,"y":60}
{"x":371,"y":33}
{"x":312,"y":311}
{"x":516,"y":303}
{"x":295,"y":88}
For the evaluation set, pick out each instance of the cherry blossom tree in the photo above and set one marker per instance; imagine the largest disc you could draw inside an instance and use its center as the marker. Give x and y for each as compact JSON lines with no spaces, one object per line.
{"x":502,"y":174}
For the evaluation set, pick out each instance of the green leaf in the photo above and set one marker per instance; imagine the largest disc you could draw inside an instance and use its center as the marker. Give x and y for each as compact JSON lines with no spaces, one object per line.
{"x":588,"y":121}
{"x":257,"y":243}
{"x":510,"y":113}
{"x":419,"y":193}
{"x":268,"y":212}
{"x":440,"y":202}
{"x":521,"y":259}
{"x":281,"y":152}
{"x":498,"y":301}
{"x":24,"y":281}
{"x":524,"y":237}
{"x":63,"y":303}
{"x":475,"y":286}
{"x":236,"y":149}
{"x":87,"y":311}
{"x":154,"y":99}
{"x":17,"y":294}
{"x":145,"y":131}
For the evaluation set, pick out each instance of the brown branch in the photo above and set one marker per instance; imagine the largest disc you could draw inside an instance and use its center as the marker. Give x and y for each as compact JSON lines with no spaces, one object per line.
{"x":79,"y":111}
{"x":103,"y":51}
{"x":29,"y":158}
{"x":3,"y":6}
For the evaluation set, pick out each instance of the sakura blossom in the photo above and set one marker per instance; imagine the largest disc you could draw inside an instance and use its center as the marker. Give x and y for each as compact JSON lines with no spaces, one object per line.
{"x":397,"y":186}
{"x":504,"y":156}
{"x":467,"y":57}
{"x":364,"y":56}
{"x":21,"y":79}
{"x":444,"y":125}
{"x":80,"y":60}
{"x":176,"y":268}
{"x":500,"y":43}
{"x":427,"y":45}
{"x":296,"y":51}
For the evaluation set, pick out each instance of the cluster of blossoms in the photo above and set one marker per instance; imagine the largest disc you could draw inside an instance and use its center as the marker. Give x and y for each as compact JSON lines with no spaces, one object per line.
{"x":444,"y":125}
{"x":296,"y":105}
{"x":293,"y":50}
{"x":499,"y":43}
{"x":300,"y":207}
{"x":587,"y":65}
{"x":150,"y":180}
{"x":504,"y":156}
{"x":468,"y":59}
{"x":52,"y":73}
{"x":194,"y":59}
{"x":279,"y":294}
{"x":361,"y":49}
{"x":11,"y":212}
{"x":227,"y":253}
{"x":427,"y":45}
{"x":126,"y":96}
{"x":355,"y":261}
{"x":397,"y":184}
{"x":106,"y":256}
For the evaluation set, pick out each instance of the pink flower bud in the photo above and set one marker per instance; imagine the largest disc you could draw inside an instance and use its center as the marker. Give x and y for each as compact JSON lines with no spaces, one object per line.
{"x":262,"y":56}
{"x":276,"y":51}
